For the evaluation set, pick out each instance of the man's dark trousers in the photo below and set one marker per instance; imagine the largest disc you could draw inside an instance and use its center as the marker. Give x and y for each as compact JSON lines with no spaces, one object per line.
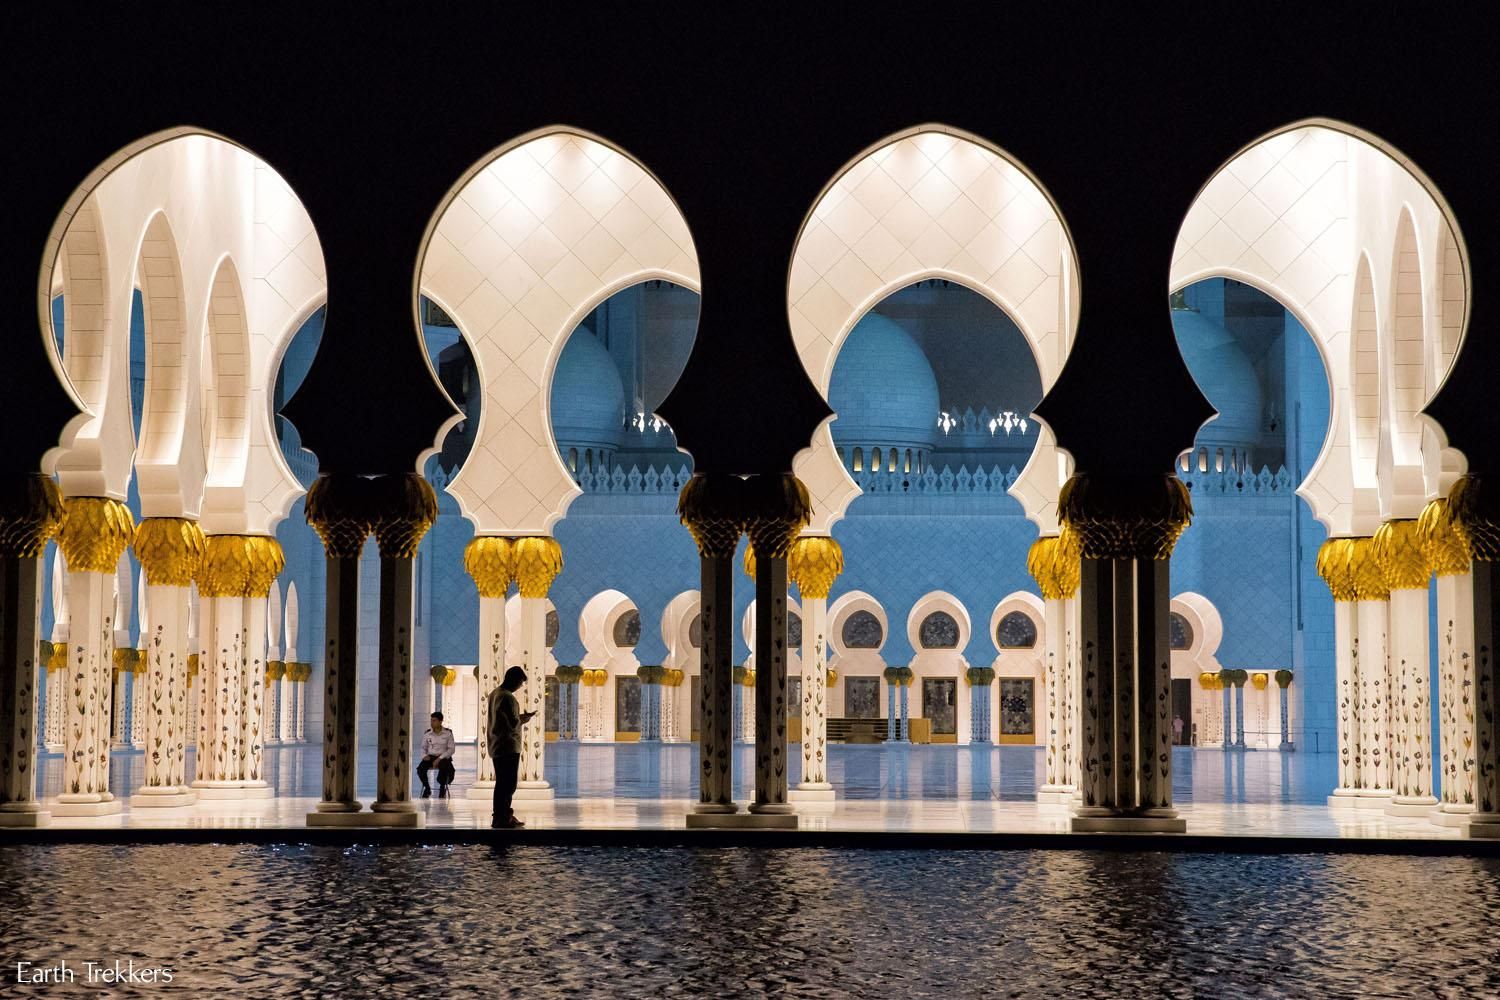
{"x":444,"y":770}
{"x":507,"y":772}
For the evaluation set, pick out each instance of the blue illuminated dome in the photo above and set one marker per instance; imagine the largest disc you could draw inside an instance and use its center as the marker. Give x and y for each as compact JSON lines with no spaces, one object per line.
{"x":883,"y":389}
{"x":588,"y":398}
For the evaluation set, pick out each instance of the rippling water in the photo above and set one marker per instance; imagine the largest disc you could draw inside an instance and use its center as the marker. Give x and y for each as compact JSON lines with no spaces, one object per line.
{"x":299,"y":921}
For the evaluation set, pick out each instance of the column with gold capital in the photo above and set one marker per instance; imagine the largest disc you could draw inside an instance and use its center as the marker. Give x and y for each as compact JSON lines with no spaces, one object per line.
{"x":1334,"y":566}
{"x":31,"y":512}
{"x":405,"y":508}
{"x":1474,"y":512}
{"x":1127,"y":527}
{"x":813,"y":564}
{"x":171,"y":551}
{"x":223,"y":579}
{"x":338,"y":507}
{"x":491,"y":562}
{"x":710,"y":507}
{"x":95,"y":532}
{"x":1371,"y":619}
{"x":1448,"y":556}
{"x":1053,"y":561}
{"x":265,"y":561}
{"x":777,"y":509}
{"x":538,"y":561}
{"x":1398,"y":549}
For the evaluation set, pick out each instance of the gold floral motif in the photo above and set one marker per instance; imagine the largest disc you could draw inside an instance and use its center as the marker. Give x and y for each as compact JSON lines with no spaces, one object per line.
{"x":405,"y":507}
{"x":95,"y":532}
{"x":31,"y":512}
{"x":171,"y":550}
{"x":1397,"y":548}
{"x":1334,"y":561}
{"x":538,"y":561}
{"x":1126,"y":517}
{"x":813,"y":564}
{"x":1446,"y":551}
{"x":491,"y":561}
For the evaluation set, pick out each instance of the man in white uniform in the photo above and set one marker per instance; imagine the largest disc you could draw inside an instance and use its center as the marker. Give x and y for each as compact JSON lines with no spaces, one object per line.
{"x":437,"y":751}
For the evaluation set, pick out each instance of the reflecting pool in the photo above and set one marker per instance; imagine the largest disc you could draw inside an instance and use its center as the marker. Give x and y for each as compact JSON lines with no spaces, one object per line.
{"x":301,"y":921}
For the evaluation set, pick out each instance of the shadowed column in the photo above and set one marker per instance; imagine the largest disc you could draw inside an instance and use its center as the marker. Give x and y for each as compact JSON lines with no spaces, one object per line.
{"x":491,"y":562}
{"x":1474,"y":511}
{"x":1448,"y":556}
{"x":31,"y":512}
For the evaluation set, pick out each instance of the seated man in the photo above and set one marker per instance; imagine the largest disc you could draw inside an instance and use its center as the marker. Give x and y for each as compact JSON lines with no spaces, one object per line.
{"x":437,"y":751}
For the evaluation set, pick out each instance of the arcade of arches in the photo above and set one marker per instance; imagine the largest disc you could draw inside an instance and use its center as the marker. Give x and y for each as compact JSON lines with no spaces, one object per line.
{"x":186,"y":597}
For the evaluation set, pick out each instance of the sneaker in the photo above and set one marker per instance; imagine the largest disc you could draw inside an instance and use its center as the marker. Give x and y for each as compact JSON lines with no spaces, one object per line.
{"x":426,"y":793}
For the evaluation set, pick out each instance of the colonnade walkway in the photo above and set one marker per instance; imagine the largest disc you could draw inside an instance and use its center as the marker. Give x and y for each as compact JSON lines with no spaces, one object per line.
{"x":882,"y":789}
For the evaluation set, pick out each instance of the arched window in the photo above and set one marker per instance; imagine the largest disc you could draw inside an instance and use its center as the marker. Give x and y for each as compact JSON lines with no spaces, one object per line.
{"x":793,"y":630}
{"x":627,"y":631}
{"x":588,"y":458}
{"x":1016,"y":631}
{"x":938,"y":630}
{"x":1181,"y":632}
{"x":907,"y":470}
{"x":874,"y":459}
{"x":840,"y":453}
{"x":859,"y":460}
{"x":695,"y":632}
{"x":572,"y":459}
{"x":891,"y":460}
{"x":862,"y":631}
{"x":554,"y":628}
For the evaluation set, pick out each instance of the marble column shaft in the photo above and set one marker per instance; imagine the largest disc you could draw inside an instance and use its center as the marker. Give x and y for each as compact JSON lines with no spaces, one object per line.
{"x":393,"y":739}
{"x":716,"y":686}
{"x":20,"y":630}
{"x":770,"y":683}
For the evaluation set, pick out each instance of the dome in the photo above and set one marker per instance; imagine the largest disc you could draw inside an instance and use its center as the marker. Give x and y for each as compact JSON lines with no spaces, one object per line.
{"x":883,"y":389}
{"x":1227,"y":377}
{"x":588,"y":398}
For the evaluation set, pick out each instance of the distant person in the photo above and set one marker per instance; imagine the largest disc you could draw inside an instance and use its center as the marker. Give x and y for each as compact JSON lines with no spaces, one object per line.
{"x":505,"y":720}
{"x":1177,"y":727}
{"x":437,"y":751}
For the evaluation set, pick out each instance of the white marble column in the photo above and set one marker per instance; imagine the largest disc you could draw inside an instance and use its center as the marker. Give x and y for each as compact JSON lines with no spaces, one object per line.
{"x":58,"y":661}
{"x":220,"y":738}
{"x":275,"y":666}
{"x":291,"y":685}
{"x":1448,"y":556}
{"x":1053,"y":562}
{"x":490,"y":560}
{"x":171,"y":552}
{"x":267,"y":561}
{"x":123,"y":658}
{"x":1074,"y":695}
{"x":139,"y":682}
{"x":1334,"y":567}
{"x":1371,"y":615}
{"x":94,"y":534}
{"x":814,"y":563}
{"x":31,"y":512}
{"x":538,"y":561}
{"x":1398,"y":550}
{"x":203,"y":714}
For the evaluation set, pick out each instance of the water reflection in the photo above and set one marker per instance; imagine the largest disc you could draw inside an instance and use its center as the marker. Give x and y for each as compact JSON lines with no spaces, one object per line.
{"x":295,"y":921}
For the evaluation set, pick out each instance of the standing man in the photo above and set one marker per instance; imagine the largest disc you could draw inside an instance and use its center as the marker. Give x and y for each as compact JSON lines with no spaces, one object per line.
{"x":504,"y":731}
{"x":437,"y":751}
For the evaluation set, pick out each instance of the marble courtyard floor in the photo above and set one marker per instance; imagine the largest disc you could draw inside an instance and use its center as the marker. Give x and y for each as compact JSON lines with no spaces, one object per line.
{"x":892,"y":790}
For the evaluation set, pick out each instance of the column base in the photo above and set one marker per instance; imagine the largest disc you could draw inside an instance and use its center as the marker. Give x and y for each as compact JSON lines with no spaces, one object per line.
{"x":1344,"y":798}
{"x":715,"y":809}
{"x":1484,"y":826}
{"x":24,"y":814}
{"x":481,"y":790}
{"x":811,"y":792}
{"x":1286,"y":746}
{"x":355,"y":819}
{"x":741,"y":821}
{"x":534,"y":791}
{"x":1453,"y":815}
{"x":87,"y":807}
{"x":1411,"y":805}
{"x":217,"y":790}
{"x":164,"y":797}
{"x":1129,"y":824}
{"x":1374,"y":798}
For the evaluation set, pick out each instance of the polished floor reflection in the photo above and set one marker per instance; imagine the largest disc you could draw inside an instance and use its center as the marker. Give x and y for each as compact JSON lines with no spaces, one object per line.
{"x":940,"y":789}
{"x":308,"y":921}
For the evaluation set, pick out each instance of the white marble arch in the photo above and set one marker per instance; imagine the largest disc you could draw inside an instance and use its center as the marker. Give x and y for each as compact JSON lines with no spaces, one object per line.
{"x":1020,"y":663}
{"x":522,"y":248}
{"x":850,"y":662}
{"x":596,"y":629}
{"x":677,"y":620}
{"x":1312,"y":214}
{"x":940,"y":663}
{"x":187,"y":215}
{"x":1207,"y":629}
{"x":931,"y":202}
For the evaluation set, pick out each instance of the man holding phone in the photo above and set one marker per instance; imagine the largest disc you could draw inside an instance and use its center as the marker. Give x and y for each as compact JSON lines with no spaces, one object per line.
{"x":505,"y":720}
